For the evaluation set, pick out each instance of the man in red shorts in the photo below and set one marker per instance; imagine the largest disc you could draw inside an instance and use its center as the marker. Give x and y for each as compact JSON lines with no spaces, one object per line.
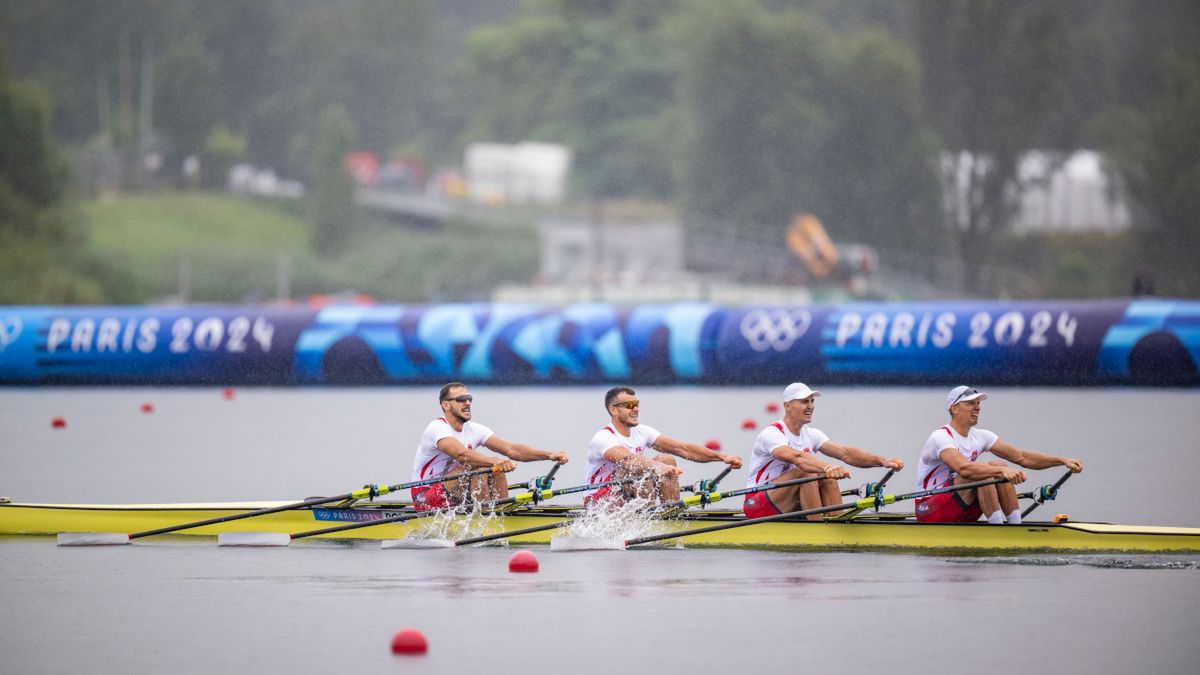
{"x":786,"y":450}
{"x":451,"y":444}
{"x":621,"y":450}
{"x":951,"y":456}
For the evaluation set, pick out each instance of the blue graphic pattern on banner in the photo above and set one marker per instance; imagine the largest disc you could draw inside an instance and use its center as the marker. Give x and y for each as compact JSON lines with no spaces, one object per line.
{"x":1144,"y":341}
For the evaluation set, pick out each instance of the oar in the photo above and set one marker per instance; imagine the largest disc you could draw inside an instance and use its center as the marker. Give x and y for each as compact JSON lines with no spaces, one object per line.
{"x":370,"y":491}
{"x":1046,"y":493}
{"x":705,"y":486}
{"x":695,"y":500}
{"x":865,"y":503}
{"x":539,"y":483}
{"x":283,"y":538}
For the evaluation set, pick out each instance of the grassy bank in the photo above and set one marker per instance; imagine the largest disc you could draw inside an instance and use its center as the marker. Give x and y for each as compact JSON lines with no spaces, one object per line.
{"x":233,"y":246}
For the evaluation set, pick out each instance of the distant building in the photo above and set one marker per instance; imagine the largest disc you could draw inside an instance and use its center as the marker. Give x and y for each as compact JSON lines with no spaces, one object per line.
{"x":1063,"y":193}
{"x":526,"y":173}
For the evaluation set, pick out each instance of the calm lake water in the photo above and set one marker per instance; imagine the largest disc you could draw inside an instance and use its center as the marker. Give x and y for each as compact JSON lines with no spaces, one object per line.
{"x":186,"y":606}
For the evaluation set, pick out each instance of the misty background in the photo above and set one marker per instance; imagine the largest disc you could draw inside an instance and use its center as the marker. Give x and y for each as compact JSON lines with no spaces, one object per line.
{"x":566,"y":150}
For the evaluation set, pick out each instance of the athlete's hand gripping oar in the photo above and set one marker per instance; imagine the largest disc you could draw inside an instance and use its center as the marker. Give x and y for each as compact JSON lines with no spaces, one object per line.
{"x":283,"y":538}
{"x":367,"y":492}
{"x":864,"y":503}
{"x":1046,"y":493}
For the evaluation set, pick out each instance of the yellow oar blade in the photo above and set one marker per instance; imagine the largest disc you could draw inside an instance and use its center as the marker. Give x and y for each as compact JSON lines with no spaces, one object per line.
{"x":92,"y":539}
{"x":586,"y":544}
{"x":253,"y":539}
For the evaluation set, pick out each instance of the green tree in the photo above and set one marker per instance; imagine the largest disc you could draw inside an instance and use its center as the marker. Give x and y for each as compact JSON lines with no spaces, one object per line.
{"x":333,"y":190}
{"x":188,"y":100}
{"x":37,"y":247}
{"x":993,"y":77}
{"x":597,"y":77}
{"x":784,"y":116}
{"x":1155,"y":149}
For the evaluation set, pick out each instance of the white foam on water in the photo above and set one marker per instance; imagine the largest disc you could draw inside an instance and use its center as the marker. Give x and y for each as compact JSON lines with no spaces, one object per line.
{"x":633,"y":519}
{"x":586,"y":544}
{"x":412,"y":542}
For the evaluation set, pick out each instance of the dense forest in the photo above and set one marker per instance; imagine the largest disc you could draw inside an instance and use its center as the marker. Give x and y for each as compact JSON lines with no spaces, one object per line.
{"x":739,"y":112}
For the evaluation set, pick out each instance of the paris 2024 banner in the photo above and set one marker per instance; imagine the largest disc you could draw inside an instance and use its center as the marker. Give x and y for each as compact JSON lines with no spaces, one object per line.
{"x":1144,"y":341}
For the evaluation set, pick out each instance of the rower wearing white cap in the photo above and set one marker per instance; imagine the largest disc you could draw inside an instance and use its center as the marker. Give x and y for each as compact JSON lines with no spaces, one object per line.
{"x":787,"y":449}
{"x":951,"y":455}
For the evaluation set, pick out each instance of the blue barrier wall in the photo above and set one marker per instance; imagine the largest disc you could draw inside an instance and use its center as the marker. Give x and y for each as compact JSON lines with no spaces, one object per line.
{"x":1054,"y":342}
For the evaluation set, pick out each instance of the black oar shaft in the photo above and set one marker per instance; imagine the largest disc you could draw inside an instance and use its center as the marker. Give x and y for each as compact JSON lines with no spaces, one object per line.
{"x":1054,"y":489}
{"x":866,"y":502}
{"x":492,"y":505}
{"x":682,"y":502}
{"x":361,"y":493}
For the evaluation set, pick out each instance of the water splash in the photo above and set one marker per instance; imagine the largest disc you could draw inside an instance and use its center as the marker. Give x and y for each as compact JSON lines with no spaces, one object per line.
{"x":466,"y":521}
{"x":634,"y":518}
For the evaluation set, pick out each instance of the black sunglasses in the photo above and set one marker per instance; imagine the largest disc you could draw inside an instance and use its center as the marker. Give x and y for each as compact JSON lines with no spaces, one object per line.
{"x":465,"y":398}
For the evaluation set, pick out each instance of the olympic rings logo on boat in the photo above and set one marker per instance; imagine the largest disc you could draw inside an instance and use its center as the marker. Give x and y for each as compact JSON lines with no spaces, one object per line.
{"x":10,"y":330}
{"x":776,"y":329}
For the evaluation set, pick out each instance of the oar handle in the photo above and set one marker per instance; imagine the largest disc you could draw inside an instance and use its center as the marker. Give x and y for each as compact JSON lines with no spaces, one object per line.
{"x":1046,"y":493}
{"x":540,"y":482}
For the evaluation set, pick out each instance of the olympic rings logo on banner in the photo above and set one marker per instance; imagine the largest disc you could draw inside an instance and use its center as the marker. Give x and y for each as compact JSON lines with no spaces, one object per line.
{"x":776,"y":329}
{"x":10,"y":330}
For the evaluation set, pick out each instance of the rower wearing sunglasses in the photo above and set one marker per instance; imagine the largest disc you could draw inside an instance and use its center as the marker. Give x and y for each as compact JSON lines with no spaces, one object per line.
{"x":621,"y":450}
{"x":452,"y":443}
{"x":952,"y":455}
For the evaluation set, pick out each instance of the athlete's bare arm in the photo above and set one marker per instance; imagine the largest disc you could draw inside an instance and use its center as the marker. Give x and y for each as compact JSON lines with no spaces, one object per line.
{"x":522,"y":452}
{"x":808,"y":462}
{"x":859,"y":457}
{"x":459,"y":452}
{"x":1034,"y":460}
{"x":694,"y":452}
{"x":618,"y":454}
{"x":974,"y":471}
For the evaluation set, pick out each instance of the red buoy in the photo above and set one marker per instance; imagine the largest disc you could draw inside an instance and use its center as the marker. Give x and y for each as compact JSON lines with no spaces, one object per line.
{"x":58,"y":423}
{"x":749,"y":424}
{"x":409,"y":641}
{"x":772,"y":407}
{"x":147,"y":407}
{"x":228,"y":393}
{"x":712,"y":444}
{"x":523,"y":561}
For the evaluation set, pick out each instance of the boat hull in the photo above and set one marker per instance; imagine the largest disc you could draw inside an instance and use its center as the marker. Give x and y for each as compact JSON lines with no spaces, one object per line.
{"x":871,"y":533}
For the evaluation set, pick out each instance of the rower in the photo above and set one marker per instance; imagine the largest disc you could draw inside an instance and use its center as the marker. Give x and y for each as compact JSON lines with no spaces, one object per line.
{"x":951,"y":455}
{"x":450,"y":444}
{"x":619,"y":451}
{"x":786,"y":450}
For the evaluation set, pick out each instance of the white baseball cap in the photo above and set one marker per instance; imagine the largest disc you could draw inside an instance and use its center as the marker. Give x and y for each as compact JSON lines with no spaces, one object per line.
{"x":797,"y":390}
{"x":964,"y":393}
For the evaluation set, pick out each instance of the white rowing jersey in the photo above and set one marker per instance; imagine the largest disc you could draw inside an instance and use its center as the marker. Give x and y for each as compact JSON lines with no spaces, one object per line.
{"x":430,"y":461}
{"x":765,"y":467}
{"x":599,"y":469}
{"x":932,"y":472}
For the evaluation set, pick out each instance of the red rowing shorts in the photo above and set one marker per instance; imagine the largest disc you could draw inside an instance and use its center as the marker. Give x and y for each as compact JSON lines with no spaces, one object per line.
{"x":431,"y":497}
{"x":605,"y":498}
{"x":758,"y":504}
{"x":947,"y":507}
